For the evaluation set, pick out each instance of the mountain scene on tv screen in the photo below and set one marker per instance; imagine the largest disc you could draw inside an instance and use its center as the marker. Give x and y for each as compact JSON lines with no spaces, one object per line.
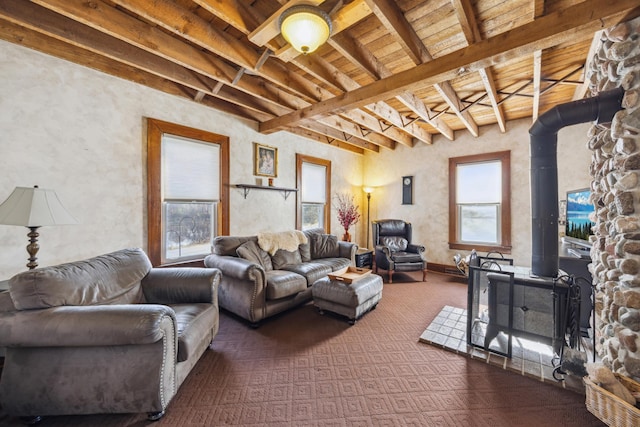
{"x":578,"y":209}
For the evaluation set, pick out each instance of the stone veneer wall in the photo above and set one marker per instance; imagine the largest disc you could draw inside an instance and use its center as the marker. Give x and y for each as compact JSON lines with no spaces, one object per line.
{"x":615,"y":170}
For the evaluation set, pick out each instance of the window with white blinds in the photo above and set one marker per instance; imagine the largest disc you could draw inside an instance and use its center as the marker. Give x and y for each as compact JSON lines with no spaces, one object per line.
{"x":190,"y":194}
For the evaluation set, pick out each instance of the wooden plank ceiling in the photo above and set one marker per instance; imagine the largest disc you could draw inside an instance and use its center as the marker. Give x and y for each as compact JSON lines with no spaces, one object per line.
{"x":393,"y":72}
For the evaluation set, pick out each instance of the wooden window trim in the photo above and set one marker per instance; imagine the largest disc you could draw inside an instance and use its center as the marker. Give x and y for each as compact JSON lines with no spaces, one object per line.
{"x":155,"y":130}
{"x":505,"y":245}
{"x":300,"y":159}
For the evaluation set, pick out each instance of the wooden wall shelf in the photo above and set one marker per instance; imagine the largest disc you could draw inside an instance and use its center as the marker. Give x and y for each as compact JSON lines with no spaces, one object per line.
{"x":248,"y":187}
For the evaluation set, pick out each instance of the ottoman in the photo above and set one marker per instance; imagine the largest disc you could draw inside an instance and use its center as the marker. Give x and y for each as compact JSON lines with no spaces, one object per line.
{"x":348,"y":299}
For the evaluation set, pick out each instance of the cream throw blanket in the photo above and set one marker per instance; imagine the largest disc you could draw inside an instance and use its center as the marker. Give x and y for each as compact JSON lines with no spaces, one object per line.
{"x":287,"y":240}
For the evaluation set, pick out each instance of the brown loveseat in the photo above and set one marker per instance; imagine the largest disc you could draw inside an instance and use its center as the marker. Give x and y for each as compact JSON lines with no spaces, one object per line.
{"x":256,"y":285}
{"x":109,"y":334}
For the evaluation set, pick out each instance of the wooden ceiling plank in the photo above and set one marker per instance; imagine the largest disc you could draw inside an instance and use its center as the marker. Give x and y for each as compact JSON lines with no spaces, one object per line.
{"x":392,"y":17}
{"x":232,"y":11}
{"x":466,"y":16}
{"x":552,"y":29}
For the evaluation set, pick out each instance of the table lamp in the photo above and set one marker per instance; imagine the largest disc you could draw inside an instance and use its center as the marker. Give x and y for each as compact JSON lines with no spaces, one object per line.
{"x":33,"y":208}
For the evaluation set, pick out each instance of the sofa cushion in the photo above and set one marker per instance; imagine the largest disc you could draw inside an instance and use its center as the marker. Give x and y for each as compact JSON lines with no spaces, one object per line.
{"x":282,"y":258}
{"x":107,"y":279}
{"x":394,"y":243}
{"x":334,"y":264}
{"x":194,"y":321}
{"x":401,"y":256}
{"x":311,"y":271}
{"x":281,"y":283}
{"x":324,"y":246}
{"x":250,"y":251}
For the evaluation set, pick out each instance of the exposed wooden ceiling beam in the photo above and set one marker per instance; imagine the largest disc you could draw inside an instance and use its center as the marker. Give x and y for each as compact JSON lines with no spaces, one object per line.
{"x":575,"y":21}
{"x":366,"y":60}
{"x":537,"y":75}
{"x":538,"y":11}
{"x":397,"y":24}
{"x":467,"y":18}
{"x":335,"y":142}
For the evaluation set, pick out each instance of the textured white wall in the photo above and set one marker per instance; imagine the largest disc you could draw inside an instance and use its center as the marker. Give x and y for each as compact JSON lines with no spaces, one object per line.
{"x":83,"y":133}
{"x":430,"y":167}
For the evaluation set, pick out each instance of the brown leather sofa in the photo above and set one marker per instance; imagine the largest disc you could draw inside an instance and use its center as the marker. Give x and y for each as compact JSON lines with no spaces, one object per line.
{"x":256,"y":285}
{"x":109,"y":334}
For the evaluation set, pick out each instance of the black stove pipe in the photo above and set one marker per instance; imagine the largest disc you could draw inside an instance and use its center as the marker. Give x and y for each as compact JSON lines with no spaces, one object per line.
{"x":544,"y":171}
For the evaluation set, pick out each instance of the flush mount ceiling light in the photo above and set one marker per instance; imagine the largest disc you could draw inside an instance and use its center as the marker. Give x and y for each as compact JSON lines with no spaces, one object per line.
{"x":305,"y":27}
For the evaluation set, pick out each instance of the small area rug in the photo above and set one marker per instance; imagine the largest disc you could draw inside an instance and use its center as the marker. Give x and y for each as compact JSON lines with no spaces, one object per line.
{"x":448,"y":330}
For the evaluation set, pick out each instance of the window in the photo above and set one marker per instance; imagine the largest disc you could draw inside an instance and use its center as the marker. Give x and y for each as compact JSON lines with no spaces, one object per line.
{"x":187,"y":182}
{"x":479,"y":202}
{"x":313,"y":199}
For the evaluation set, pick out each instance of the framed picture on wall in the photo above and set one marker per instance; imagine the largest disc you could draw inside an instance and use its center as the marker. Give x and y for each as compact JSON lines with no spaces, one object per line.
{"x":265,"y":160}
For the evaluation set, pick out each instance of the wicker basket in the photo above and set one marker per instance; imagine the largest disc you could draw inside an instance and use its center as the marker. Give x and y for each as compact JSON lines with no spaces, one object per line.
{"x":609,"y":408}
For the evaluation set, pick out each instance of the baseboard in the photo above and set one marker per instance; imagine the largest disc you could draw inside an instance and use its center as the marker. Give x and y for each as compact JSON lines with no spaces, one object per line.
{"x":445,"y":269}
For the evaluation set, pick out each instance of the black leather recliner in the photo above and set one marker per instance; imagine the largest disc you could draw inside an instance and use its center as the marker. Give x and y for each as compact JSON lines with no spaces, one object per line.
{"x":394,"y":250}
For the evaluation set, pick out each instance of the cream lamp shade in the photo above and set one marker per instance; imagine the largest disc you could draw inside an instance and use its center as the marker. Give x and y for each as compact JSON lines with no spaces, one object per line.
{"x":305,"y":27}
{"x":34,"y":207}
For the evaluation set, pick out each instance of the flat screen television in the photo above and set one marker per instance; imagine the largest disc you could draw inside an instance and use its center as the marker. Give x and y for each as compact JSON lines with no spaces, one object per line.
{"x":578,"y":224}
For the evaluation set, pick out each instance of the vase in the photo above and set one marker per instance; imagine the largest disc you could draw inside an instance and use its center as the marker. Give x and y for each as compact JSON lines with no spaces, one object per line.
{"x":346,"y":237}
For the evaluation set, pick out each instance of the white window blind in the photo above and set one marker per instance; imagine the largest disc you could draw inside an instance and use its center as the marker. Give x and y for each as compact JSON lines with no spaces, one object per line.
{"x":190,"y":169}
{"x":313,"y":183}
{"x":479,"y":183}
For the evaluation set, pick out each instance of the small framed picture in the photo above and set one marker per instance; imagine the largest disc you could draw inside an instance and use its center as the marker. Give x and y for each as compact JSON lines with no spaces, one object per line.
{"x":265,"y":160}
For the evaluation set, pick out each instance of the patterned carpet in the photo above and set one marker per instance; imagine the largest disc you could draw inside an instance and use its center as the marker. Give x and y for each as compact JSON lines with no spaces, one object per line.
{"x":303,"y":369}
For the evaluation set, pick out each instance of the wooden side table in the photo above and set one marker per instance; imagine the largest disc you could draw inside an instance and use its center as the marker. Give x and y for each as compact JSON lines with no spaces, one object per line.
{"x":364,"y":258}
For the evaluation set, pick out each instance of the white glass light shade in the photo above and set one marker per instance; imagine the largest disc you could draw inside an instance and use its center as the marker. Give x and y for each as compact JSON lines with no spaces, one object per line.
{"x":305,"y":27}
{"x":367,"y":190}
{"x":34,"y":207}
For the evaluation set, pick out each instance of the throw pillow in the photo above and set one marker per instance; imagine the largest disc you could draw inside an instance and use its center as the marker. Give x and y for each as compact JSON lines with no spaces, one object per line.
{"x":324,"y":246}
{"x":395,"y":244}
{"x":282,"y":258}
{"x":252,"y":252}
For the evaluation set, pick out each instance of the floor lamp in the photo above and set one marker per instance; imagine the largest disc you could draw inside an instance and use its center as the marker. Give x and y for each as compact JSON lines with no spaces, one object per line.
{"x":34,"y":207}
{"x":368,"y":190}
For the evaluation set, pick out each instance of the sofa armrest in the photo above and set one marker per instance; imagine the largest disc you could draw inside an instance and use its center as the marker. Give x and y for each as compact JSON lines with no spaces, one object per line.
{"x":418,"y":249}
{"x":348,"y":250}
{"x":181,"y":285}
{"x":83,"y":326}
{"x":234,"y":267}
